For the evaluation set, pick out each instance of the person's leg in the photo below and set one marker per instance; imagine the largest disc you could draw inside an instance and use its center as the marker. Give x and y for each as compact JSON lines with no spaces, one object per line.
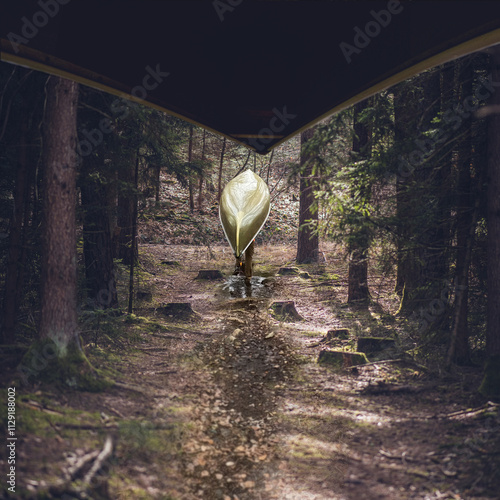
{"x":249,"y":261}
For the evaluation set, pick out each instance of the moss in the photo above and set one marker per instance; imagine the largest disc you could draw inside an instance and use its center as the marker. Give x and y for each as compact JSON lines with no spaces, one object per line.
{"x":44,"y":362}
{"x":490,"y":386}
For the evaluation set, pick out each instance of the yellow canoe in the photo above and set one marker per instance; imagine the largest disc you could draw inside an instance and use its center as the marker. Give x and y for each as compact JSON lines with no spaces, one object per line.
{"x":244,"y":207}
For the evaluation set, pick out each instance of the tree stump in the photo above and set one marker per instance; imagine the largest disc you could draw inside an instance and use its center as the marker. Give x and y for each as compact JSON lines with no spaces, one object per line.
{"x":376,"y":345}
{"x":285,"y":311}
{"x":209,"y":274}
{"x":288,"y":271}
{"x":341,"y":359}
{"x":181,"y":311}
{"x":339,"y":334}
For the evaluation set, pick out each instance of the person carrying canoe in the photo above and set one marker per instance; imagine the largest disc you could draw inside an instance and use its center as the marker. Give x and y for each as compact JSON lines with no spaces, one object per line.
{"x":244,"y":208}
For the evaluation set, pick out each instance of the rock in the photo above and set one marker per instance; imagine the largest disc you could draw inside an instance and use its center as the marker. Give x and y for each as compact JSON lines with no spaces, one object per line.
{"x":288,"y":271}
{"x":285,"y":311}
{"x":209,"y":274}
{"x":181,"y":311}
{"x":341,"y":359}
{"x":374,"y":345}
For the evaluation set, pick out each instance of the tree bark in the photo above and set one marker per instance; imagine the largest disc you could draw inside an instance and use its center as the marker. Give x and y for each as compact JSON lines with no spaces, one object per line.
{"x":58,"y":321}
{"x":459,"y":350}
{"x":308,"y":240}
{"x":191,"y":180}
{"x":359,"y":241}
{"x":219,"y":192}
{"x":200,"y":185}
{"x":126,"y":197}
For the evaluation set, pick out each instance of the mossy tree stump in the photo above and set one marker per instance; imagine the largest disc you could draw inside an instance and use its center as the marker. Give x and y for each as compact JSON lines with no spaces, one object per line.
{"x":285,"y":311}
{"x":181,"y":311}
{"x":341,"y":359}
{"x":338,"y":334}
{"x":375,"y":345}
{"x":209,"y":274}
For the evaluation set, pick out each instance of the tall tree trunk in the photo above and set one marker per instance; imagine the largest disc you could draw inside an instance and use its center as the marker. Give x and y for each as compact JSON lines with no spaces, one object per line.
{"x":97,"y":242}
{"x":416,"y":102}
{"x":219,"y":192}
{"x":308,"y":240}
{"x":359,"y":241}
{"x":491,"y":381}
{"x":125,"y":221}
{"x":459,"y":351}
{"x":191,"y":180}
{"x":134,"y":246}
{"x":58,"y":320}
{"x":200,"y":185}
{"x":157,"y":185}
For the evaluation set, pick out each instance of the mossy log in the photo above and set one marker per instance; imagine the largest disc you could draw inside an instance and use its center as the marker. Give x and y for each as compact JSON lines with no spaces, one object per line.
{"x":285,"y":311}
{"x":341,"y":359}
{"x":181,"y":311}
{"x":209,"y":274}
{"x":371,"y":345}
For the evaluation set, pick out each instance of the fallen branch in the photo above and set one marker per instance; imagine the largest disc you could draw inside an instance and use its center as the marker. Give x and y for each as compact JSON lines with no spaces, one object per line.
{"x":105,"y":453}
{"x":72,"y":472}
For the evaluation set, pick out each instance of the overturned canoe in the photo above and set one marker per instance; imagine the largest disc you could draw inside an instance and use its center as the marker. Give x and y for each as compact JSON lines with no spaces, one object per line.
{"x":244,"y":208}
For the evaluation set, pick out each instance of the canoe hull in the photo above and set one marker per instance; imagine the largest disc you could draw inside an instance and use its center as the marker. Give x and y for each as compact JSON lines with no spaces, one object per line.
{"x":244,"y":208}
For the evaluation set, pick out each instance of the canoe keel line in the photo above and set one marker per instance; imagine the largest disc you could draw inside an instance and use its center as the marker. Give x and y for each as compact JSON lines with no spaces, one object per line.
{"x":244,"y":208}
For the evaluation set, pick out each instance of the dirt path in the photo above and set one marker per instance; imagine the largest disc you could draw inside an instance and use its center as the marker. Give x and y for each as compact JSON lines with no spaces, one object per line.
{"x":233,"y":405}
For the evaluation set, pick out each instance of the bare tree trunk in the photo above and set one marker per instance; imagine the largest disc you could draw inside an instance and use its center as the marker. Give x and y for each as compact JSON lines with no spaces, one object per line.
{"x":133,"y":254}
{"x":308,"y":240}
{"x":220,"y":169}
{"x":58,"y":321}
{"x":459,"y":351}
{"x":190,"y":159}
{"x":359,"y":241}
{"x":200,"y":185}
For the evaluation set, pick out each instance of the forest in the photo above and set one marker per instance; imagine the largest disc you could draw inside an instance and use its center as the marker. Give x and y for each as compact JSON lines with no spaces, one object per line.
{"x":384,"y":232}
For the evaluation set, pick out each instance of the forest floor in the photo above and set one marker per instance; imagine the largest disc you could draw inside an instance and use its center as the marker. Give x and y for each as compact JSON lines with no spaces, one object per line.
{"x":231,"y":403}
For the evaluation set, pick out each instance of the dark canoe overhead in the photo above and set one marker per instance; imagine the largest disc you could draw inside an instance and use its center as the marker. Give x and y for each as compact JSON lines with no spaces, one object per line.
{"x":257,"y":72}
